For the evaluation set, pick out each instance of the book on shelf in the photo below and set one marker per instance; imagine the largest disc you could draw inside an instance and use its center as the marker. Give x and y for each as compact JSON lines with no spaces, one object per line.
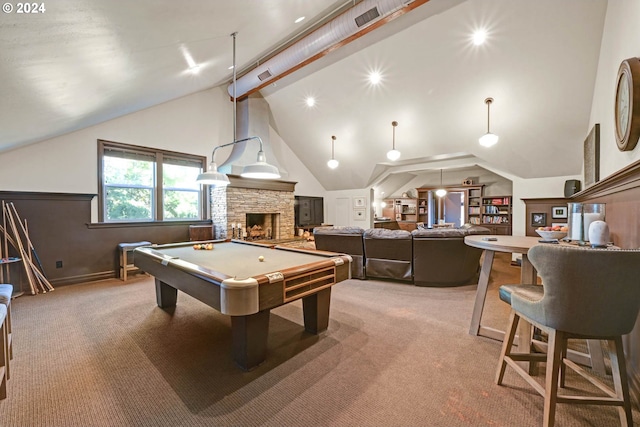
{"x":500,"y":201}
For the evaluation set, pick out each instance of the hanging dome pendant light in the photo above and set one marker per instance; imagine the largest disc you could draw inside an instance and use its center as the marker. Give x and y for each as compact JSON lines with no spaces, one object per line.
{"x":393,"y":154}
{"x":488,"y":139}
{"x":441,"y":192}
{"x":333,"y":163}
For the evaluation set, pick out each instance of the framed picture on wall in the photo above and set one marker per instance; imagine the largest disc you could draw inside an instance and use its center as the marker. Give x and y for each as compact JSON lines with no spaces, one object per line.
{"x":359,"y":202}
{"x":359,"y":214}
{"x":559,"y":212}
{"x":592,"y":156}
{"x":538,"y":219}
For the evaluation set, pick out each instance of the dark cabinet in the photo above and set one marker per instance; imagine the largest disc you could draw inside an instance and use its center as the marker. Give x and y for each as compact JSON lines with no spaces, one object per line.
{"x":308,"y":211}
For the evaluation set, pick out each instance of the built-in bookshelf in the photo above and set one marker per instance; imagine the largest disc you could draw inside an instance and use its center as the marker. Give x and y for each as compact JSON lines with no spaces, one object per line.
{"x":474,"y":205}
{"x":495,"y":213}
{"x":404,"y":210}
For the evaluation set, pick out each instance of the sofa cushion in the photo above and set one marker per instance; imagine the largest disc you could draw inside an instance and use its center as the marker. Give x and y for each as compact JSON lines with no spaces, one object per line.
{"x":465,"y":230}
{"x":383,"y":233}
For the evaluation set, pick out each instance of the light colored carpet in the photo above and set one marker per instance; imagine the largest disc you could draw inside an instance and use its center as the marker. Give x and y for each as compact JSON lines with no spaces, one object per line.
{"x":103,"y":354}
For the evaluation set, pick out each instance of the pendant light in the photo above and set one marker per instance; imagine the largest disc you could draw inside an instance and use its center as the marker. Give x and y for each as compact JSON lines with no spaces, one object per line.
{"x":333,"y":163}
{"x":441,"y":192}
{"x":393,"y":154}
{"x":260,"y":170}
{"x":488,"y":139}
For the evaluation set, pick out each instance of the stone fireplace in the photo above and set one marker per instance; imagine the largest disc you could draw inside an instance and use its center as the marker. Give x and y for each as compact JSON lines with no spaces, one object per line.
{"x":249,"y":202}
{"x":263,"y":226}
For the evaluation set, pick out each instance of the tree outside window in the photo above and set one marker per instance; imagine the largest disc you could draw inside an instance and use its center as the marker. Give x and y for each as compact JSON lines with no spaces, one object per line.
{"x":143,"y":184}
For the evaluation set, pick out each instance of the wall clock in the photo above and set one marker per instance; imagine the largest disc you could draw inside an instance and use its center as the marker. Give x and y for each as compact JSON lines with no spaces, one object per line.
{"x":627,"y":108}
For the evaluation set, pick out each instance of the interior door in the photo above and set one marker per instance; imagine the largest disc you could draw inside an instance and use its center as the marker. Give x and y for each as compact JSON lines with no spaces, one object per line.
{"x":454,"y":208}
{"x":342,"y":211}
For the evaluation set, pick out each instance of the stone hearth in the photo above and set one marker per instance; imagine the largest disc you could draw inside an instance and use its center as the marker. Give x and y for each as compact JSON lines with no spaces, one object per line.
{"x":231,"y":204}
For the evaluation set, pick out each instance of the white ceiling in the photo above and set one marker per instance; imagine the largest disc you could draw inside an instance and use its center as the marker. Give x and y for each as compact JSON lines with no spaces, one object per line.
{"x":86,"y":61}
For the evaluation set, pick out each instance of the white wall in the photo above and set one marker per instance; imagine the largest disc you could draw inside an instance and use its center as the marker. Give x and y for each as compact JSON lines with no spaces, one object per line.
{"x":331,"y":201}
{"x":192,"y":124}
{"x":531,"y":189}
{"x":620,"y":40}
{"x":307,"y":184}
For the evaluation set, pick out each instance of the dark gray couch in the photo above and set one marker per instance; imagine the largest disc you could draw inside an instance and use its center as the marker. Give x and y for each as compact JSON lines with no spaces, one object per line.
{"x":427,"y":257}
{"x":346,"y":240}
{"x":441,"y":258}
{"x":388,"y":254}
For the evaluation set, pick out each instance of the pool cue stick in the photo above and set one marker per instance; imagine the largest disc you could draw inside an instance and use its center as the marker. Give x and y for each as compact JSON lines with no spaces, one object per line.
{"x":33,"y":249}
{"x":6,"y":247}
{"x":1,"y":254}
{"x":23,"y":254}
{"x":39,"y":275}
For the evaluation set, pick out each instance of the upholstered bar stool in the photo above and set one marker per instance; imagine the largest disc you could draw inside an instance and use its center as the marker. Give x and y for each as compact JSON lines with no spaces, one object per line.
{"x":585,"y":294}
{"x":6,"y":291}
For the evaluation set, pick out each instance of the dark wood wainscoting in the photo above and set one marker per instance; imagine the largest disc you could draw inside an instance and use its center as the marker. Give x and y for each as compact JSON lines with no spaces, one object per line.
{"x":60,"y":228}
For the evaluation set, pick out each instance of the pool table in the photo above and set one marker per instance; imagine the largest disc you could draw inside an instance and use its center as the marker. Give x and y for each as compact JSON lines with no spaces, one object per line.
{"x":232,"y":279}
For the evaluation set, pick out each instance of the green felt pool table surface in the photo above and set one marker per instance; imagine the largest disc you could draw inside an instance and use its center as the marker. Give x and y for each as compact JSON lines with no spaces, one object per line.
{"x":240,"y":260}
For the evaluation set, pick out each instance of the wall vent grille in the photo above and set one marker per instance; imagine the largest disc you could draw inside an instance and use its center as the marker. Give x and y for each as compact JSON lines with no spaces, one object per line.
{"x":367,"y":17}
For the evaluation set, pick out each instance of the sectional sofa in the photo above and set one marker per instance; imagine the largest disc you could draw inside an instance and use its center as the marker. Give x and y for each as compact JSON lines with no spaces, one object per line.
{"x":424,"y":257}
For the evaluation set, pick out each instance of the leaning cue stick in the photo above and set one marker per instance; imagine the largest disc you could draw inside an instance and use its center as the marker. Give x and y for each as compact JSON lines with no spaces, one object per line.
{"x":26,"y":234}
{"x":23,"y":254}
{"x":37,"y":272}
{"x":41,"y":277}
{"x":40,"y":273}
{"x":2,"y":267}
{"x":6,"y":247}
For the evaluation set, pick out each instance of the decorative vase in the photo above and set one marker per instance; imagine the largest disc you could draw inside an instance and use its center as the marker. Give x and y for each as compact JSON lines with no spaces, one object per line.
{"x":599,"y":234}
{"x":581,"y":215}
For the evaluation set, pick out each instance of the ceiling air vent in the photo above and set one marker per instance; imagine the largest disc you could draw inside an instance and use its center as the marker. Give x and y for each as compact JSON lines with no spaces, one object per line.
{"x":264,"y":75}
{"x":367,"y":17}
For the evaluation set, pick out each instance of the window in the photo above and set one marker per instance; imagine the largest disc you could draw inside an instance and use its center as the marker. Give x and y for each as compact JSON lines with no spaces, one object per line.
{"x":145,"y":184}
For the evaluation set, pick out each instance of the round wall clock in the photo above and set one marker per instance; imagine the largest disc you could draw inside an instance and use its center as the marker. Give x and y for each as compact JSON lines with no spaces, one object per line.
{"x":627,"y":109}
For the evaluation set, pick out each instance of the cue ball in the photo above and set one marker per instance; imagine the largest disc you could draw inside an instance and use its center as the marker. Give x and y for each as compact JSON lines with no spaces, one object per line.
{"x":261,"y":258}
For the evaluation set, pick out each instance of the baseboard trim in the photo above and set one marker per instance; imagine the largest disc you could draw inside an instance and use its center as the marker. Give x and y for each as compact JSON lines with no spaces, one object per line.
{"x":73,"y":280}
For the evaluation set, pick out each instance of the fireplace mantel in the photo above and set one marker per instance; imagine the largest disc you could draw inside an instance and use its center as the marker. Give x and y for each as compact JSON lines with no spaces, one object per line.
{"x":236,"y":181}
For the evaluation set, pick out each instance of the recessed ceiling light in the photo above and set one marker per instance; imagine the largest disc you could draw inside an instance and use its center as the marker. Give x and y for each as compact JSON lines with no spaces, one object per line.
{"x":311,"y":101}
{"x":375,"y":77}
{"x":195,"y":69}
{"x":479,"y":37}
{"x":300,"y":19}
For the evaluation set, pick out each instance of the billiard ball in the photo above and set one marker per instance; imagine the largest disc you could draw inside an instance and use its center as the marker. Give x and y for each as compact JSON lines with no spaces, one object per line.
{"x":261,"y":258}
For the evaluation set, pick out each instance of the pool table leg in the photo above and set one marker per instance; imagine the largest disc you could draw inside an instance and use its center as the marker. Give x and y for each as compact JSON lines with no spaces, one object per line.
{"x":249,"y":335}
{"x":166,"y":296}
{"x":316,"y":311}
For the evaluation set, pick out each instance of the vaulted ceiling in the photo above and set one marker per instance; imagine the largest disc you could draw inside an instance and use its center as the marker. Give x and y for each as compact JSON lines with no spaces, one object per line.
{"x":82,"y":62}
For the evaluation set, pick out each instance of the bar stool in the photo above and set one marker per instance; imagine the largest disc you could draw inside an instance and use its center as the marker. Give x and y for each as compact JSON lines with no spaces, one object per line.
{"x":126,"y":258}
{"x":585,"y":294}
{"x":6,"y":291}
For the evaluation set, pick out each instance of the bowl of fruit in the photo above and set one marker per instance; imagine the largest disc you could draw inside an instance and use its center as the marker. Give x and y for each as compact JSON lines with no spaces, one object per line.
{"x":552,"y":233}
